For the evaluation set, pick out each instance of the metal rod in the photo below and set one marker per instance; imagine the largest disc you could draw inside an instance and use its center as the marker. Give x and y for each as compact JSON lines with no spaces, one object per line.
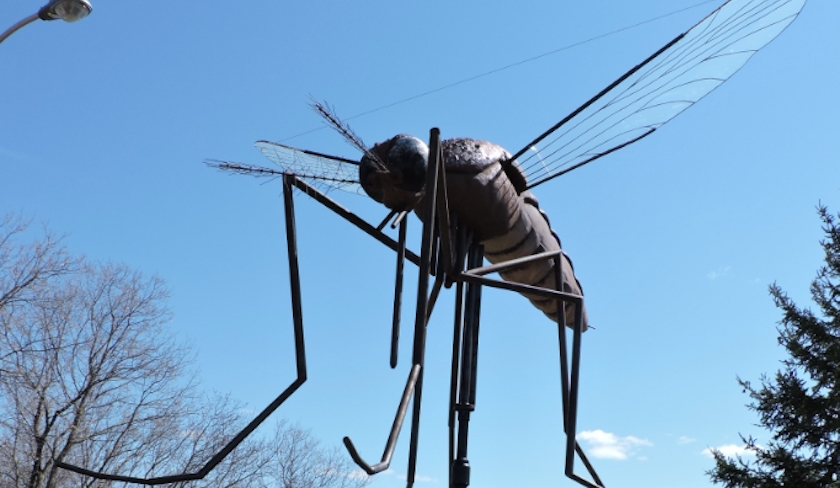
{"x":474,"y":315}
{"x":300,"y":361}
{"x":128,"y":479}
{"x":352,"y":218}
{"x":440,"y":281}
{"x":399,"y":218}
{"x":460,"y":466}
{"x":297,"y":317}
{"x":294,"y":274}
{"x":385,"y":220}
{"x":434,"y":260}
{"x":583,"y":481}
{"x":513,"y":263}
{"x":588,"y":465}
{"x":11,"y":30}
{"x":391,"y":444}
{"x":522,"y":288}
{"x":422,"y":290}
{"x":398,"y":286}
{"x":433,"y":296}
{"x":460,"y":245}
{"x":561,"y":331}
{"x":444,"y":229}
{"x":573,"y":390}
{"x":569,"y":413}
{"x":457,"y":334}
{"x":461,"y":236}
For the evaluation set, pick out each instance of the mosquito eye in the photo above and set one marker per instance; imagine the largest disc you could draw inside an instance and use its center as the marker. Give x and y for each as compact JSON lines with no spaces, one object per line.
{"x":410,"y":156}
{"x":367,"y":168}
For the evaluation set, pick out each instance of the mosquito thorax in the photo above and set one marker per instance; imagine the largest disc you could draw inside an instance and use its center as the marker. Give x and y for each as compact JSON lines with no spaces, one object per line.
{"x":397,"y":178}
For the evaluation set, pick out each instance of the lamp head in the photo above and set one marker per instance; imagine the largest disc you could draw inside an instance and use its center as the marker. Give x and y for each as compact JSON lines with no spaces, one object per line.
{"x":67,"y":10}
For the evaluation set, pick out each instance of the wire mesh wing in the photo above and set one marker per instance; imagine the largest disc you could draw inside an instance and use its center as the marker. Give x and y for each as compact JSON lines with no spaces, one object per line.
{"x":659,"y":88}
{"x":322,"y":171}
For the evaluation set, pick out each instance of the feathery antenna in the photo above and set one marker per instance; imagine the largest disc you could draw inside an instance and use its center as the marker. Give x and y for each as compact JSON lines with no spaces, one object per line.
{"x":328,"y":114}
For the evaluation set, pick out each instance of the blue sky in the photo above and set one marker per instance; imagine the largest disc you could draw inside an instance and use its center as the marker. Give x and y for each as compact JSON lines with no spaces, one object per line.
{"x":105,"y":125}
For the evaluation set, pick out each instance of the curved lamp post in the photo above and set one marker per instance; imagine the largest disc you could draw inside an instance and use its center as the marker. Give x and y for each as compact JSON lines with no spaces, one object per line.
{"x":67,"y":10}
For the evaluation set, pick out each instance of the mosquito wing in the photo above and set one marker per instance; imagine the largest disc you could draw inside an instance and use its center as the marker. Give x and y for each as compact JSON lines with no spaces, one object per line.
{"x":652,"y":93}
{"x":322,"y":171}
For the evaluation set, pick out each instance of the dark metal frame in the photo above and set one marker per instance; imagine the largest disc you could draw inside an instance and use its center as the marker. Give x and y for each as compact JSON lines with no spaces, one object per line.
{"x":449,"y":253}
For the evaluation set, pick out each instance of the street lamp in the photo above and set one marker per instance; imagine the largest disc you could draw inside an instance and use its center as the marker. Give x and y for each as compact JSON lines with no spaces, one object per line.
{"x":67,"y":10}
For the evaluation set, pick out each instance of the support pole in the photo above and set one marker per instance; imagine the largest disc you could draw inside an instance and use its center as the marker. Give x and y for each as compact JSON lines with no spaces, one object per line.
{"x":433,"y":174}
{"x":398,"y":287}
{"x":460,"y":467}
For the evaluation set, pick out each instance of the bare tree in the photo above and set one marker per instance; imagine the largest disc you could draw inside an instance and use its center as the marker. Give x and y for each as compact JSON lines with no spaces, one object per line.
{"x":27,"y":269}
{"x":89,"y":376}
{"x":297,"y":460}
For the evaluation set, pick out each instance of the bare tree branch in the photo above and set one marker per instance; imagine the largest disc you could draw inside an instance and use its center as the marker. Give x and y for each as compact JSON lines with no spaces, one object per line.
{"x":90,"y":376}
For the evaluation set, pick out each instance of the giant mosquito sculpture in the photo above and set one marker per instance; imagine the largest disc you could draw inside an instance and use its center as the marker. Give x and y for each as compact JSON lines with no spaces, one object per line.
{"x":474,"y":201}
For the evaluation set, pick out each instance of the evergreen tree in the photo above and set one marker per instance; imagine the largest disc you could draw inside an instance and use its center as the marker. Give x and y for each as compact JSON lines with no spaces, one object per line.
{"x":800,"y":405}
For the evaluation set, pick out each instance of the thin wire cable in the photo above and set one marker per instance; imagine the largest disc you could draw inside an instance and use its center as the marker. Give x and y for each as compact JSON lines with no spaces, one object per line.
{"x":509,"y":66}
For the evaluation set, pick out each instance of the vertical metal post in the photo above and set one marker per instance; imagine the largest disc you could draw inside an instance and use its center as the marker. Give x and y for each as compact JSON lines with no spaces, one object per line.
{"x":460,"y":466}
{"x":474,"y":315}
{"x":564,"y":361}
{"x":573,"y":392}
{"x":462,"y":242}
{"x":294,"y":274}
{"x":429,"y":221}
{"x":569,"y":383}
{"x":458,"y":332}
{"x":398,"y":286}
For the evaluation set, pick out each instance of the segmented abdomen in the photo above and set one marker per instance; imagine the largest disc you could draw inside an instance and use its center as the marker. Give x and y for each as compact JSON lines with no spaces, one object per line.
{"x":505,"y":219}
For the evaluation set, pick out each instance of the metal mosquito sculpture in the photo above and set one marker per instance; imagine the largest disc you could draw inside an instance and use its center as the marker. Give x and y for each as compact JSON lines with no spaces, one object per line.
{"x":474,"y":200}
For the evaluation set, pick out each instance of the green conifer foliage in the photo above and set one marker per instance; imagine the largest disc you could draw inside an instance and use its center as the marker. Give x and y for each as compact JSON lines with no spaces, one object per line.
{"x":800,"y":405}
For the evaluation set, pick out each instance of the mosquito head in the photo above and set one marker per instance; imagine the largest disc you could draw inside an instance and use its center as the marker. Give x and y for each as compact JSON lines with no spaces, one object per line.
{"x":399,"y":185}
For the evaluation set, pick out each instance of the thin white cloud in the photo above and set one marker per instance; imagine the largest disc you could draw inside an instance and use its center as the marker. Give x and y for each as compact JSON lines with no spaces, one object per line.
{"x":719,"y":273}
{"x":685,"y":440}
{"x":357,"y":474}
{"x":730,"y":450}
{"x":606,"y":445}
{"x":425,"y":479}
{"x":419,"y":478}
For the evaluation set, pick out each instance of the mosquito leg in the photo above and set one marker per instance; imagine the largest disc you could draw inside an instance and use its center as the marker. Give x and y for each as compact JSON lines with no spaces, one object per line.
{"x":460,"y":244}
{"x":433,"y":177}
{"x":395,"y":327}
{"x":395,"y":429}
{"x":460,"y":469}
